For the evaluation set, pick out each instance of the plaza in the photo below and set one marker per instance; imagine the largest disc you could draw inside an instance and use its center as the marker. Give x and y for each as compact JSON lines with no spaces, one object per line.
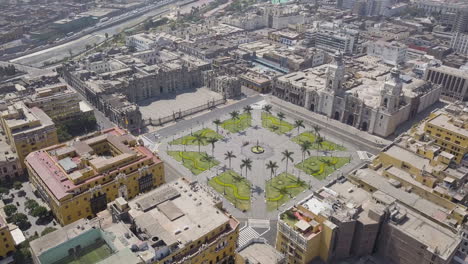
{"x":237,"y":164}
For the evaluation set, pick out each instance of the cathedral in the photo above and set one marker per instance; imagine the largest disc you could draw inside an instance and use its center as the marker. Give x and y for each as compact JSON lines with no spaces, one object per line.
{"x":377,"y":105}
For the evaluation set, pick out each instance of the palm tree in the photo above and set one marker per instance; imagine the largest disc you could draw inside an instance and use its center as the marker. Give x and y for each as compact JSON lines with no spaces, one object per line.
{"x":305,"y":148}
{"x":267,"y":108}
{"x":212,"y":141}
{"x":199,"y":139}
{"x":317,"y":130}
{"x":229,"y":155}
{"x":217,"y":122}
{"x":281,"y":117}
{"x":298,"y":124}
{"x":248,"y":109}
{"x":235,"y":178}
{"x":272,"y":166}
{"x":235,"y":116}
{"x":287,"y":156}
{"x":247,"y":163}
{"x":208,"y":159}
{"x":319,"y":142}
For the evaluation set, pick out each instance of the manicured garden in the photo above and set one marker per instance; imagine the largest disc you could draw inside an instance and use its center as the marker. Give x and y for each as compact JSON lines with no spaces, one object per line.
{"x":238,"y":123}
{"x":282,"y":188}
{"x":320,"y":145}
{"x":234,"y":187}
{"x":196,"y":162}
{"x":206,"y":133}
{"x":276,"y":125}
{"x":321,"y":167}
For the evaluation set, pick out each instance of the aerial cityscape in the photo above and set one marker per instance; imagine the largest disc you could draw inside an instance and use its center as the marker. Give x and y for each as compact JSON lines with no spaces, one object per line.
{"x":234,"y":131}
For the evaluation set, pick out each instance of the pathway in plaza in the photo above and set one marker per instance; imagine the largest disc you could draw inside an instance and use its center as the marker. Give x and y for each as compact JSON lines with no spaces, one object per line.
{"x":258,"y":175}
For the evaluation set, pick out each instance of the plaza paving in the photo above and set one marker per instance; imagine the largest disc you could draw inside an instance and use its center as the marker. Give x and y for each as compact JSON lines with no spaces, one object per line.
{"x":273,"y":143}
{"x":168,"y":104}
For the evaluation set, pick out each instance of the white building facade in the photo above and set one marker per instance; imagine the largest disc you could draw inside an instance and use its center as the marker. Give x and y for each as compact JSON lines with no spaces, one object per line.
{"x":380,"y":116}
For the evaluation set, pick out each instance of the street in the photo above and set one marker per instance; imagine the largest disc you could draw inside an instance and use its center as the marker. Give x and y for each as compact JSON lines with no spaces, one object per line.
{"x":78,"y":46}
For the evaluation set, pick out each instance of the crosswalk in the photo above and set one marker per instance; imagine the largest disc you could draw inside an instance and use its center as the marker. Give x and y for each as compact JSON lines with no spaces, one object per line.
{"x":259,"y":223}
{"x":363,"y":155}
{"x":246,"y":234}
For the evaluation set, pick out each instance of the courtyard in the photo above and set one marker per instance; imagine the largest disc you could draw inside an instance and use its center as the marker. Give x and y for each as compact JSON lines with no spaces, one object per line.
{"x":256,"y":158}
{"x":168,"y":104}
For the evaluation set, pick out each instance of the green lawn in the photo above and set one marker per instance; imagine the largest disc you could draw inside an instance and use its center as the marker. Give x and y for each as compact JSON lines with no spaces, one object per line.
{"x":188,"y":140}
{"x":273,"y":124}
{"x":282,"y":188}
{"x":318,"y":167}
{"x":234,"y":187}
{"x":92,"y":254}
{"x":194,"y":161}
{"x":234,"y":126}
{"x":309,"y":136}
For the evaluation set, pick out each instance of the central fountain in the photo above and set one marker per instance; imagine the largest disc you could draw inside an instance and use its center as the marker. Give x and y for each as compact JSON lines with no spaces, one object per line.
{"x":257,"y":149}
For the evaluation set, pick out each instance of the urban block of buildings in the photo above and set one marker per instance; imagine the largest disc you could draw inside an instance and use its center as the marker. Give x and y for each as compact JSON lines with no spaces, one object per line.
{"x":27,"y":129}
{"x":363,"y":216}
{"x":78,"y":178}
{"x":178,"y":222}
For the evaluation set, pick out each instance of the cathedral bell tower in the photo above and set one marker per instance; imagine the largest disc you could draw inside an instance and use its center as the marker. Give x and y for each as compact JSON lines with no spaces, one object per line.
{"x":335,"y":74}
{"x":391,"y":94}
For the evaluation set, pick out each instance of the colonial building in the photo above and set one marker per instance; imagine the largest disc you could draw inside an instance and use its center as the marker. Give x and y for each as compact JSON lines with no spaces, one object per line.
{"x":179,"y":222}
{"x":116,"y":84}
{"x":228,"y":86}
{"x":359,"y":102}
{"x":58,"y":101}
{"x":27,"y":129}
{"x":77,"y":179}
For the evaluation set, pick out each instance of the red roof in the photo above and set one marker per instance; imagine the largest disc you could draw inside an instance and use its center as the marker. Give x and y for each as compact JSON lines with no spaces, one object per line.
{"x":56,"y":180}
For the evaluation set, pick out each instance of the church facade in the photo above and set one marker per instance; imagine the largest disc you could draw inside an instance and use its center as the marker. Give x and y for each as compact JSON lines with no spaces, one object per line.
{"x":378,"y":109}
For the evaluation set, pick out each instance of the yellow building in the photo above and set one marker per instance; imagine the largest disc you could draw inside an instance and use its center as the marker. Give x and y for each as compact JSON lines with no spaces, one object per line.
{"x":77,"y":179}
{"x":178,"y":222}
{"x":27,"y":129}
{"x":58,"y":101}
{"x":7,"y":244}
{"x":323,"y":225}
{"x":422,"y":167}
{"x":366,"y":215}
{"x":449,"y":130}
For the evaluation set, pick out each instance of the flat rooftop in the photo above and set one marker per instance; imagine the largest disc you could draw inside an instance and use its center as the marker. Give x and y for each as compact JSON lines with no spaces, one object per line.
{"x":177,"y":213}
{"x":22,"y":119}
{"x":411,"y":200}
{"x":444,"y":121}
{"x":260,"y":253}
{"x":438,"y":239}
{"x":62,"y":168}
